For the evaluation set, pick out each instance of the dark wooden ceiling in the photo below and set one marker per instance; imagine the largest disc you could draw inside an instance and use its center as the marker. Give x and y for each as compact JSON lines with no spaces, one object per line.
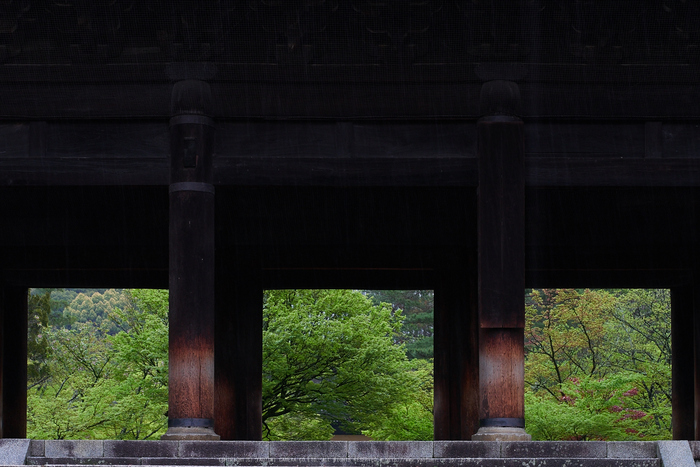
{"x":345,"y":136}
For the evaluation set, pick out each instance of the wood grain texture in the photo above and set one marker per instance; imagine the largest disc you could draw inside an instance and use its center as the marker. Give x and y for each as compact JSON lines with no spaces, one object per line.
{"x":501,"y":373}
{"x":191,"y":284}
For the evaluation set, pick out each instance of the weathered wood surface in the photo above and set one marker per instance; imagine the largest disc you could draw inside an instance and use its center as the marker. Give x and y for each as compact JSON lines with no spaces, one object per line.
{"x":191,"y":285}
{"x":501,"y":373}
{"x":191,"y":237}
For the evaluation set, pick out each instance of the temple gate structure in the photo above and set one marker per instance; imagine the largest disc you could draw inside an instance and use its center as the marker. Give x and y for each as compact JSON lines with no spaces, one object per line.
{"x":476,"y":148}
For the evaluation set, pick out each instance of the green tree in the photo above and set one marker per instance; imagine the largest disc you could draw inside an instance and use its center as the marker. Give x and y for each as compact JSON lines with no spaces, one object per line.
{"x":598,"y":364}
{"x":38,"y":346}
{"x":102,"y":386}
{"x":329,"y":357}
{"x":417,"y":308}
{"x":95,"y":306}
{"x":72,"y":402}
{"x":412,"y":418}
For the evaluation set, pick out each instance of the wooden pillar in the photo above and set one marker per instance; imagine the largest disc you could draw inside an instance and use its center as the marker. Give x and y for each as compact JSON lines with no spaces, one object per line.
{"x":683,"y":374}
{"x":191,"y":348}
{"x":695,"y":362}
{"x":501,"y":264}
{"x":14,"y":362}
{"x":456,"y":400}
{"x":238,"y":399}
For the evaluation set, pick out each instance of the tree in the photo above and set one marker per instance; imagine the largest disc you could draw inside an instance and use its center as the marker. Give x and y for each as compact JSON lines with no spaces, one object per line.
{"x":418,"y":310}
{"x":565,"y":337}
{"x":411,"y":419}
{"x":598,"y":364}
{"x":38,"y":346}
{"x":102,"y":386}
{"x":329,"y":358}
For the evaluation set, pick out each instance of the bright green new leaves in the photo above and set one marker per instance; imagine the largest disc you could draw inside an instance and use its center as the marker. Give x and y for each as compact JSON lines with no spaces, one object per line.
{"x":329,"y":358}
{"x":412,"y":418}
{"x":106,"y":387}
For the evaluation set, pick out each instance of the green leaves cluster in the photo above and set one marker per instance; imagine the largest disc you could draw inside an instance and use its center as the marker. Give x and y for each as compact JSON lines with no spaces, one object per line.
{"x":330,"y":361}
{"x":94,"y":385}
{"x":598,"y":364}
{"x":417,"y":309}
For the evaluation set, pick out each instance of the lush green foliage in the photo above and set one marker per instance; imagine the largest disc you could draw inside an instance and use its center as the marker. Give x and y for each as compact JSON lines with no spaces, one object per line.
{"x":95,"y":385}
{"x":417,"y":308}
{"x":412,"y":418}
{"x":329,"y":360}
{"x":598,"y":364}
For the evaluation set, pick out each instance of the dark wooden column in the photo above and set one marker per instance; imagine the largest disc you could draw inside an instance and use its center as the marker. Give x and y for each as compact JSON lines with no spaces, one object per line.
{"x":695,"y":362}
{"x":683,"y":374}
{"x":14,"y":362}
{"x":191,"y":348}
{"x":456,"y":408}
{"x":501,"y":264}
{"x":238,"y":399}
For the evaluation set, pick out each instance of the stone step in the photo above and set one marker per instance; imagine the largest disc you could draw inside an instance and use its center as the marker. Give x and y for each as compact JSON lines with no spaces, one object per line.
{"x":461,"y":462}
{"x":270,"y":450}
{"x":366,"y":462}
{"x":357,"y":453}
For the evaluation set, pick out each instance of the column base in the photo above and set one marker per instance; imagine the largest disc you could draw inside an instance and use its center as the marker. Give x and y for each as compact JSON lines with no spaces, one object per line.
{"x":501,"y":433}
{"x":192,"y":433}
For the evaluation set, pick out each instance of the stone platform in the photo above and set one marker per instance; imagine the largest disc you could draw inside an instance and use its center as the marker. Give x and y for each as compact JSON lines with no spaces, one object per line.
{"x":353,"y":453}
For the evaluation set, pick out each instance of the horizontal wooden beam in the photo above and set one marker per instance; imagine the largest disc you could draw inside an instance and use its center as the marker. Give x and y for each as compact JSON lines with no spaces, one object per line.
{"x":133,"y":90}
{"x":250,"y":171}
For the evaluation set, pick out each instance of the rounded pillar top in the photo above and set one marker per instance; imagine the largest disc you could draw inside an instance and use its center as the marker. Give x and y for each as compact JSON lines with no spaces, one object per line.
{"x":191,"y":96}
{"x":500,"y":97}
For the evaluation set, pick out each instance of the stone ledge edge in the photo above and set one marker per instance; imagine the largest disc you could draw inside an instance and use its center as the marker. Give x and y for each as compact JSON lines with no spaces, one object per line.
{"x":344,"y":449}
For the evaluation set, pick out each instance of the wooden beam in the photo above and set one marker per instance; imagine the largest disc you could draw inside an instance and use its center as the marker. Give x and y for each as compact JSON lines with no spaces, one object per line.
{"x":501,"y":263}
{"x":456,"y":399}
{"x":249,"y":171}
{"x":14,"y":363}
{"x":192,"y":267}
{"x":683,"y":363}
{"x":239,"y":321}
{"x":351,"y":91}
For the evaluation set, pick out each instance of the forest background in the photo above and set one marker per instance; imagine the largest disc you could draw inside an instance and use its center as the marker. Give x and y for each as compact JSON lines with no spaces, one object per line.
{"x":598,"y":364}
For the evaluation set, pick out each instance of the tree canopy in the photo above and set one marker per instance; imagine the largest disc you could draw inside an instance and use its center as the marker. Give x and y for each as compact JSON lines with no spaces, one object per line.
{"x":598,"y":364}
{"x":331,"y":361}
